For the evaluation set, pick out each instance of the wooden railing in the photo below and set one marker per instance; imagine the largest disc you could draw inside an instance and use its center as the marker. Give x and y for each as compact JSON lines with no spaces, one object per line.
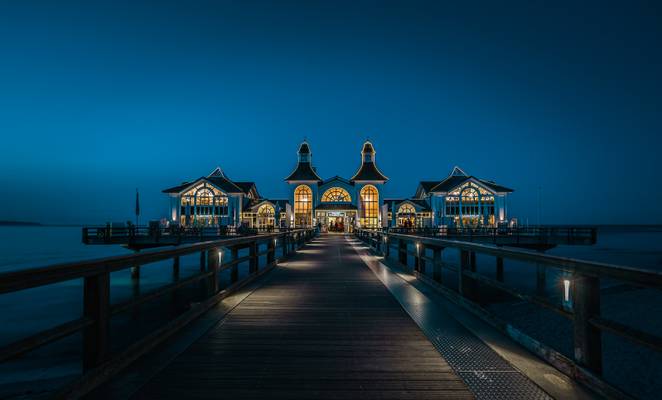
{"x":97,"y":361}
{"x":543,"y":234}
{"x":582,"y":307}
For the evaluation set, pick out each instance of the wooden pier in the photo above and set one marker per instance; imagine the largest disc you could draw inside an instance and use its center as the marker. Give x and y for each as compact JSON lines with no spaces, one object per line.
{"x":539,"y":238}
{"x":304,"y":316}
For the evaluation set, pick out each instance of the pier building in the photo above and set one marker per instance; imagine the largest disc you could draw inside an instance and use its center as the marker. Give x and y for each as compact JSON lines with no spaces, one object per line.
{"x":339,"y":204}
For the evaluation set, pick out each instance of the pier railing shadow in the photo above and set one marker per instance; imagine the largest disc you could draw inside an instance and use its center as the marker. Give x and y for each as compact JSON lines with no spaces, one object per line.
{"x":579,"y":302}
{"x":98,"y":361}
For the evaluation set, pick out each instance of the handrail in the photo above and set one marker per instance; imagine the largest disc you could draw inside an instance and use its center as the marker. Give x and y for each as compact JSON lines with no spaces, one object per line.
{"x":583,"y":308}
{"x":95,"y":321}
{"x":633,"y":275}
{"x":40,"y":276}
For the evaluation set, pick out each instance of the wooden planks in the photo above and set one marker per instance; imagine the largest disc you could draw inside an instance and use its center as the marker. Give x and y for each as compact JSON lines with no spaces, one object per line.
{"x":323,"y":326}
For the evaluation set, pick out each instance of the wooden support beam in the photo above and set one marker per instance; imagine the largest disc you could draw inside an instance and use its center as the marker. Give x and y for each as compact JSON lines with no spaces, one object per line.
{"x":254,"y":261}
{"x":587,"y":337}
{"x":436,"y":268}
{"x":234,"y":272}
{"x":421,"y":261}
{"x":499,"y":269}
{"x":213,"y":264}
{"x":175,"y":267}
{"x":466,"y":286}
{"x":271,"y":255}
{"x":284,"y":245}
{"x":96,"y":306}
{"x":402,"y":251}
{"x":541,"y":280}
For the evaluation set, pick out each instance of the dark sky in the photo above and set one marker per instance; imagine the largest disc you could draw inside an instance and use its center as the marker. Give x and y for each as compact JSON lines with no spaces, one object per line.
{"x":99,"y":99}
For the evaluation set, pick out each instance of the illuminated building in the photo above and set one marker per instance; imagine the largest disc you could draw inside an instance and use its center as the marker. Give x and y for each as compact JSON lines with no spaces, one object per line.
{"x":338,"y":204}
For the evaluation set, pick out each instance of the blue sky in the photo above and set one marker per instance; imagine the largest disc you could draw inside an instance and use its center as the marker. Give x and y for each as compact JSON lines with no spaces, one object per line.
{"x":100,"y":98}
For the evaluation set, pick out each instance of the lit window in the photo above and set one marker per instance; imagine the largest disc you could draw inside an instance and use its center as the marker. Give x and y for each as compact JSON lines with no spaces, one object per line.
{"x":303,"y":206}
{"x":369,"y":207}
{"x":406,"y":215}
{"x":336,"y":194}
{"x":265,"y":216}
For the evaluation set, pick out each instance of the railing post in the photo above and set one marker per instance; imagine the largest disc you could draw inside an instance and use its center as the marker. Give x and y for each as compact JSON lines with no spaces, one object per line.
{"x":387,"y":246}
{"x":175,"y":267}
{"x":421,"y":261}
{"x":465,"y":284}
{"x":499,"y":269}
{"x":271,"y":251}
{"x":213,"y":264}
{"x":253,"y":262}
{"x":234,"y":271}
{"x":96,"y":306}
{"x":402,"y":251}
{"x":284,"y":244}
{"x":587,"y":338}
{"x":203,"y":262}
{"x":436,"y":267}
{"x":541,"y":279}
{"x":135,"y":272}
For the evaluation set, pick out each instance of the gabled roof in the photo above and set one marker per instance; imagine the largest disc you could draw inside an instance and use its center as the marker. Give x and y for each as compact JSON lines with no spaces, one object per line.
{"x":222,"y":183}
{"x":280,"y":204}
{"x":420,"y":204}
{"x":336,"y":178}
{"x":248,"y":187}
{"x":368,"y":172}
{"x":453,"y":181}
{"x":303,"y":172}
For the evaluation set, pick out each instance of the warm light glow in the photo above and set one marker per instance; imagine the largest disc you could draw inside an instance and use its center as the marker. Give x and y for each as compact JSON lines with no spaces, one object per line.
{"x":566,"y":290}
{"x":370,"y":207}
{"x":336,"y":194}
{"x":303,"y":206}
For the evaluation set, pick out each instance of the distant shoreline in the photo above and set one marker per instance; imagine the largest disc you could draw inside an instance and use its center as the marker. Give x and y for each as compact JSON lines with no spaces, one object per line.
{"x":19,"y":223}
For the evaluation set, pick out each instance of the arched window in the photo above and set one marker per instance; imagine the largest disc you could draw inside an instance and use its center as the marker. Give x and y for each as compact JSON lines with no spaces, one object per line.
{"x":205,"y":197}
{"x":204,"y":205}
{"x":471,"y":209}
{"x":406,"y":215}
{"x":336,"y":194}
{"x":303,"y":206}
{"x":265,"y":216}
{"x":369,"y":207}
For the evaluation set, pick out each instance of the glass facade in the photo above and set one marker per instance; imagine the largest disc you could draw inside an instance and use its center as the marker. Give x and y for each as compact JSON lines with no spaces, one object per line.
{"x":303,"y":206}
{"x":369,"y":207}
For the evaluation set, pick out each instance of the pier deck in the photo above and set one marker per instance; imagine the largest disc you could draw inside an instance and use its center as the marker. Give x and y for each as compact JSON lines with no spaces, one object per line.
{"x":323,"y":326}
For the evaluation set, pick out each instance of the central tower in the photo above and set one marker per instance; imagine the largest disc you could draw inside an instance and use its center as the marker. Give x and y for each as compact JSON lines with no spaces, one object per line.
{"x":303,"y":181}
{"x":369,"y":181}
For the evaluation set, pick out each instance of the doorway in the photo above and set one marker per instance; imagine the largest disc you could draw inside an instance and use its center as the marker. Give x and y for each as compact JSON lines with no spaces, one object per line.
{"x":336,"y":224}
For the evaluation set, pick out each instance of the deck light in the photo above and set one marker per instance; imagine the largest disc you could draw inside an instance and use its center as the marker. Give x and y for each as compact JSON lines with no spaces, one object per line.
{"x":566,"y":290}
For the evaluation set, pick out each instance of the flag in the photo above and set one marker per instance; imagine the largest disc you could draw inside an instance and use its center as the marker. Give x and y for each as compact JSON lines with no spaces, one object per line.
{"x":137,"y":203}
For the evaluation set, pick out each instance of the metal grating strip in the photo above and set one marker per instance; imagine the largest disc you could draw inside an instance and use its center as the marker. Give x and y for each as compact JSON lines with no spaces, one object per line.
{"x":484,"y":371}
